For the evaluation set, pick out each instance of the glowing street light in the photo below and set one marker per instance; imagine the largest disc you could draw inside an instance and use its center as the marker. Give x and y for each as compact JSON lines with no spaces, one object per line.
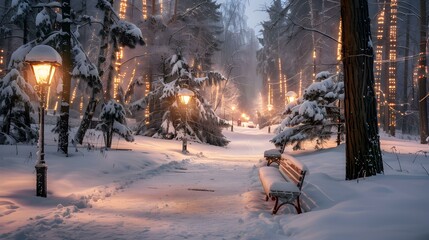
{"x":185,"y":96}
{"x":43,"y":60}
{"x":291,"y":96}
{"x":232,"y":118}
{"x":269,"y":107}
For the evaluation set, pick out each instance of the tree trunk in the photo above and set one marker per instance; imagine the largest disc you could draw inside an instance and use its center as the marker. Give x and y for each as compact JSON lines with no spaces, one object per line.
{"x":86,"y":119}
{"x":102,"y":56}
{"x":423,"y":110}
{"x":63,"y":139}
{"x":27,"y":117}
{"x":363,"y":154}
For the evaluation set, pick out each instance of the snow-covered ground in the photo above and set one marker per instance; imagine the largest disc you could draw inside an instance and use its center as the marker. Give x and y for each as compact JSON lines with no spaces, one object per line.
{"x":155,"y":192}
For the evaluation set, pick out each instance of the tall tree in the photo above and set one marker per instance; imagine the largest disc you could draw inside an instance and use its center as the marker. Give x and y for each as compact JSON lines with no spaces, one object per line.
{"x":423,"y":110}
{"x":363,"y":154}
{"x":63,"y":139}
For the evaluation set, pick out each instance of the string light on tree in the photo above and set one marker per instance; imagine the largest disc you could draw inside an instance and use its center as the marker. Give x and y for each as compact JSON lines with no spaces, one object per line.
{"x":339,"y":47}
{"x":392,"y":64}
{"x":144,"y":9}
{"x":378,"y":60}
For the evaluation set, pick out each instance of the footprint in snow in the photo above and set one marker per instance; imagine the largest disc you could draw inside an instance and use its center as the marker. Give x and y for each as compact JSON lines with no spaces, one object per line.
{"x":7,"y":208}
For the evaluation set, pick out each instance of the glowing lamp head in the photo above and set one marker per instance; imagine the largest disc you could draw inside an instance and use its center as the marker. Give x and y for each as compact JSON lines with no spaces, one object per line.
{"x":185,"y":95}
{"x":43,"y":73}
{"x":43,"y":60}
{"x":291,"y":96}
{"x":270,"y":107}
{"x":233,"y":108}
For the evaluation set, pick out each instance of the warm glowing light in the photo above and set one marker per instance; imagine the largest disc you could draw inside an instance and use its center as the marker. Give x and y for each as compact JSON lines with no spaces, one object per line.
{"x":392,"y":61}
{"x":379,"y":61}
{"x":43,"y":72}
{"x":185,"y":99}
{"x":280,"y":75}
{"x":269,"y":90}
{"x":300,"y":83}
{"x":339,"y":46}
{"x":144,"y":9}
{"x":122,"y":9}
{"x":1,"y":60}
{"x":233,"y":107}
{"x":185,"y":95}
{"x":269,"y":107}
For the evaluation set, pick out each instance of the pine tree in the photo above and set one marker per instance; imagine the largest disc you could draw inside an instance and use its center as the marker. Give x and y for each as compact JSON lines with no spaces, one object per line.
{"x":118,"y":33}
{"x":15,"y":95}
{"x":203,"y":124}
{"x":112,"y":120}
{"x":314,"y":115}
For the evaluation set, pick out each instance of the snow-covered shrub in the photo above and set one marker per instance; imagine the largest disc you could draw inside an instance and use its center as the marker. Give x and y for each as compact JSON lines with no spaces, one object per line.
{"x":112,"y":120}
{"x":315,"y":115}
{"x":15,"y":95}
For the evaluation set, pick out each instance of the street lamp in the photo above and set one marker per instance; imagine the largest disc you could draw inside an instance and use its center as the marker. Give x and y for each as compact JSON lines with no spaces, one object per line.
{"x":291,"y":96}
{"x":270,"y":107}
{"x":185,"y":96}
{"x":43,"y":60}
{"x":232,"y":118}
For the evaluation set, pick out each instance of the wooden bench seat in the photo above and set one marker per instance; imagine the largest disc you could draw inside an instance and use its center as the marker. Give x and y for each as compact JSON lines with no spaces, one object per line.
{"x":283,"y":185}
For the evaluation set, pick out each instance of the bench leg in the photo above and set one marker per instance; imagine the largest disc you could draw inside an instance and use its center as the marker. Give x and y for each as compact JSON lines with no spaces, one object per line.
{"x":298,"y":206}
{"x":277,"y":205}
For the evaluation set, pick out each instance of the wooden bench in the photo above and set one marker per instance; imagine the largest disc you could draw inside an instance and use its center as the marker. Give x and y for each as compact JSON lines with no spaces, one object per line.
{"x":274,"y":155}
{"x":283,"y":185}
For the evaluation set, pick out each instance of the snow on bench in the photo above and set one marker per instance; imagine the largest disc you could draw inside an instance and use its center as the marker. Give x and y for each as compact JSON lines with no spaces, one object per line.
{"x":283,"y":185}
{"x":274,"y":155}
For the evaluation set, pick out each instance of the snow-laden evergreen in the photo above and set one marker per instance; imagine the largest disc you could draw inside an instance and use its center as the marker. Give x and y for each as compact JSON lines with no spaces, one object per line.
{"x":112,"y":120}
{"x":315,"y":115}
{"x":15,"y":95}
{"x":169,"y":114}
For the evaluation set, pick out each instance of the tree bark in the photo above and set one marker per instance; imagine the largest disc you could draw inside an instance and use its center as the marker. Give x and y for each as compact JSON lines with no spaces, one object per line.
{"x":363,"y":154}
{"x":63,"y":139}
{"x":102,"y":56}
{"x":423,"y":110}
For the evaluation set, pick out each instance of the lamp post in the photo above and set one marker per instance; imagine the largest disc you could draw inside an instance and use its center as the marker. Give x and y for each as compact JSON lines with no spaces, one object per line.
{"x":185,"y":96}
{"x":232,"y":118}
{"x":269,"y":107}
{"x":43,"y":60}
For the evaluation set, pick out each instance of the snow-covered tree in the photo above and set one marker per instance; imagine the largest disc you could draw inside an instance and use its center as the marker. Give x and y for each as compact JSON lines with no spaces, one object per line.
{"x":313,"y":116}
{"x":113,"y":120}
{"x":203,"y":125}
{"x":118,"y":33}
{"x":15,"y":95}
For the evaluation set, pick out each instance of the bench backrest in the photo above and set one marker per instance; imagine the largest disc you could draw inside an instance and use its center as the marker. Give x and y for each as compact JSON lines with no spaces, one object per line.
{"x":292,"y":171}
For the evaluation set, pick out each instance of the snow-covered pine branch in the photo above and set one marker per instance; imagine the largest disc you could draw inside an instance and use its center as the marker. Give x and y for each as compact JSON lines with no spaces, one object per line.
{"x":15,"y":96}
{"x":203,"y":125}
{"x":314,"y":115}
{"x":113,"y":120}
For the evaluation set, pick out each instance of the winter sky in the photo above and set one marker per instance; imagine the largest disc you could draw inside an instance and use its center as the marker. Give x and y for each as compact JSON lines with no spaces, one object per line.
{"x":255,"y":13}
